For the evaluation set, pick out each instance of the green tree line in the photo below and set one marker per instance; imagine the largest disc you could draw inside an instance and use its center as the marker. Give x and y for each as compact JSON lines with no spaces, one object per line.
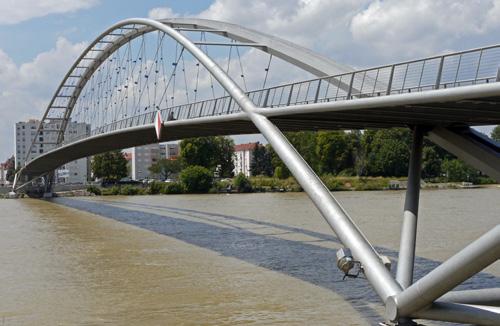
{"x":372,"y":153}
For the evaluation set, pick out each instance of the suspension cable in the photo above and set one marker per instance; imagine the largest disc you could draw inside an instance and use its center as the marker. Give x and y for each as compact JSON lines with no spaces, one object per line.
{"x":267,"y":71}
{"x":241,"y":69}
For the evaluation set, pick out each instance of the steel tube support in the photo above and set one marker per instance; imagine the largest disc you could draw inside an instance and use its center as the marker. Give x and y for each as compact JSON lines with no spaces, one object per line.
{"x":460,"y":313}
{"x":470,"y":260}
{"x":332,"y":211}
{"x":488,"y":297}
{"x":404,"y":274}
{"x":380,"y":278}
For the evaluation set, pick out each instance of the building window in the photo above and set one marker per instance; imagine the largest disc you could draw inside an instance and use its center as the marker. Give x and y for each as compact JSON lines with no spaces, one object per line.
{"x":41,"y":150}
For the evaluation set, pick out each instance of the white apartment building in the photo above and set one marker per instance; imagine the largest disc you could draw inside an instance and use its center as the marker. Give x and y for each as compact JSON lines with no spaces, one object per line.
{"x":242,"y":158}
{"x":143,"y":157}
{"x":3,"y":175}
{"x":25,"y":132}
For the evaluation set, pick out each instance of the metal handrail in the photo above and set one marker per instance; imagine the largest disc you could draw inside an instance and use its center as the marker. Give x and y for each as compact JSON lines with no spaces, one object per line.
{"x":404,"y":77}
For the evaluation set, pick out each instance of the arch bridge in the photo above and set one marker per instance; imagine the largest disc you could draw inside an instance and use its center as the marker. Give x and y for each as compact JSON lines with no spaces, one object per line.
{"x":144,"y":81}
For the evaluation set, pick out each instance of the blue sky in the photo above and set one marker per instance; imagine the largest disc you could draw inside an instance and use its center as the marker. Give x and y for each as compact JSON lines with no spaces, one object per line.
{"x":39,"y":40}
{"x":23,"y":41}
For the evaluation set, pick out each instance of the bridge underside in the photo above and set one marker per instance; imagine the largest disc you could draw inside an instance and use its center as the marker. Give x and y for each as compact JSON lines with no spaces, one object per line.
{"x":479,"y":111}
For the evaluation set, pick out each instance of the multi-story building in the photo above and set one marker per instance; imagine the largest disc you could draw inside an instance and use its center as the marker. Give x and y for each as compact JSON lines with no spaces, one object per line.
{"x":25,"y":133}
{"x":143,"y":157}
{"x":242,"y":158}
{"x":3,"y":175}
{"x":172,"y":151}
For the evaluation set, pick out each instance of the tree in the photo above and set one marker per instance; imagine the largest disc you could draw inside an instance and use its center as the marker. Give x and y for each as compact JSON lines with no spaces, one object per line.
{"x":305,"y":143}
{"x":209,"y":152}
{"x":261,"y":162}
{"x":388,"y":151}
{"x":110,"y":166}
{"x":495,"y":134}
{"x":242,"y":183}
{"x":11,"y":172}
{"x":165,"y":168}
{"x":431,"y":162}
{"x":224,"y":156}
{"x":457,"y":171}
{"x":197,"y":179}
{"x":333,"y":152}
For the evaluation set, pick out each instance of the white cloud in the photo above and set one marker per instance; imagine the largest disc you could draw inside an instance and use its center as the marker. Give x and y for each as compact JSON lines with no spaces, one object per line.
{"x":319,"y":24}
{"x":26,"y":89}
{"x":358,"y":33}
{"x":415,"y":28}
{"x":389,"y":30}
{"x":15,"y":11}
{"x":162,"y":12}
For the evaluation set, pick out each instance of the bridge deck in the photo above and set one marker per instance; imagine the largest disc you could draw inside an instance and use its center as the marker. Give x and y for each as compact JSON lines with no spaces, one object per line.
{"x":460,"y":110}
{"x":452,"y":90}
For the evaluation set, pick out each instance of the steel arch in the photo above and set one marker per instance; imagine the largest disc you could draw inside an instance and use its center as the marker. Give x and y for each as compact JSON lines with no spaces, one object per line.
{"x":289,"y":52}
{"x":335,"y":215}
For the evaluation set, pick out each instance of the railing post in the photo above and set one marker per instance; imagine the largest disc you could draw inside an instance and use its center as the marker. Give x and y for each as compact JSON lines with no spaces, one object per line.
{"x":389,"y":84}
{"x":349,"y":91}
{"x":478,"y":64}
{"x":189,"y":110}
{"x":458,"y":70}
{"x":264,"y":105}
{"x":229,"y":105}
{"x":440,"y":72}
{"x":215,"y":107}
{"x":290,"y":95}
{"x":316,"y":96}
{"x":201,"y":109}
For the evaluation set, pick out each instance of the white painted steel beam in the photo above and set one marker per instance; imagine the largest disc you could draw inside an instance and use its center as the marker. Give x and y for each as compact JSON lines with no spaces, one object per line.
{"x":406,"y":259}
{"x":469,"y":261}
{"x":483,"y":158}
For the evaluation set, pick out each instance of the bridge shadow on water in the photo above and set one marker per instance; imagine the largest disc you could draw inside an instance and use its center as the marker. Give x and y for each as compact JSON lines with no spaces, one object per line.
{"x":300,"y":259}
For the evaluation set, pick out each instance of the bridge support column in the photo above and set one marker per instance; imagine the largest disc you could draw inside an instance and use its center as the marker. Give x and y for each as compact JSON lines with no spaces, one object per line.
{"x":49,"y":184}
{"x":406,"y":259}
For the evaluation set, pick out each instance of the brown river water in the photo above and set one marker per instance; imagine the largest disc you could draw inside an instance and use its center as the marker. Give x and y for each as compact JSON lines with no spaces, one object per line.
{"x":215,"y":259}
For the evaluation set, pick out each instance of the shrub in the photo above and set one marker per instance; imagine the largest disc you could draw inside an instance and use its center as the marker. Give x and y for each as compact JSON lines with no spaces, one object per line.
{"x":155,"y":187}
{"x":196,"y":179}
{"x":242,"y":183}
{"x":128,"y":190}
{"x":94,"y":190}
{"x":115,"y":190}
{"x":172,"y":188}
{"x":378,"y":183}
{"x":221,"y":186}
{"x":332,"y":183}
{"x":281,"y":172}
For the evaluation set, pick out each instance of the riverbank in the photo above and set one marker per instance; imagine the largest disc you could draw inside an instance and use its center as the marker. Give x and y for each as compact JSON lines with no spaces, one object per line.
{"x":260,"y":185}
{"x":268,"y":184}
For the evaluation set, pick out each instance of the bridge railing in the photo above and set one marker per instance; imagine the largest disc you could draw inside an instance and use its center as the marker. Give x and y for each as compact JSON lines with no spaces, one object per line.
{"x":469,"y":67}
